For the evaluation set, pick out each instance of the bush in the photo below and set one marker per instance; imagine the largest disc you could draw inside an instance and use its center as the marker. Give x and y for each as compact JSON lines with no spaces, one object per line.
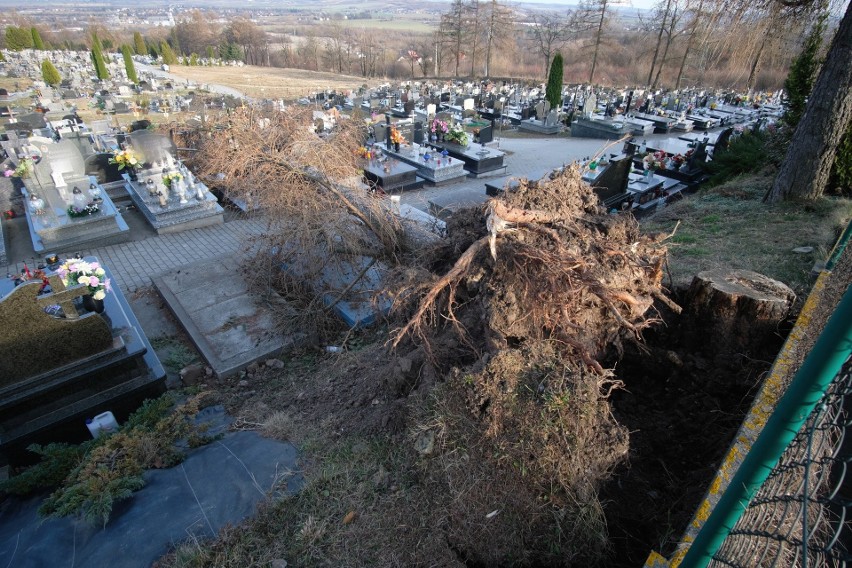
{"x":745,"y":153}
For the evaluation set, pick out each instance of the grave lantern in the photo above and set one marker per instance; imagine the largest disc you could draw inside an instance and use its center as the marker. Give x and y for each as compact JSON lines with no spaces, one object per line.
{"x":80,"y":201}
{"x":95,"y":192}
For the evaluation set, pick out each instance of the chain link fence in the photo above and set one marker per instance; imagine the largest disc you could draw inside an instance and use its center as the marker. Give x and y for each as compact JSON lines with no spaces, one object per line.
{"x":802,"y":514}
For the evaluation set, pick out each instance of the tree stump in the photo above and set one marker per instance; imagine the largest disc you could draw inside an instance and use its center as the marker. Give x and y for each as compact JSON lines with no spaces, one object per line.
{"x":729,"y":312}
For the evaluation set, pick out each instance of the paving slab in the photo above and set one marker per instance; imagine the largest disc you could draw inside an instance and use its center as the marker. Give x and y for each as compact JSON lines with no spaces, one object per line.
{"x":212,"y":302}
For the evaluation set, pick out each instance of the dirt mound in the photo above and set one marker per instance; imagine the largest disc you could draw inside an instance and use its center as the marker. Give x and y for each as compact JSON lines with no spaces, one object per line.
{"x":539,"y":289}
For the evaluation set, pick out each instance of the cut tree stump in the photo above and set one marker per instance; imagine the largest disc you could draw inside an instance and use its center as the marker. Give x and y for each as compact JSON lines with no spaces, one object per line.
{"x":731,"y":312}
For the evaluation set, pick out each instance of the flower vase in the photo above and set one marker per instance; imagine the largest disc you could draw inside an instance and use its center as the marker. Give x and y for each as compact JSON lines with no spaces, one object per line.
{"x":131,"y":173}
{"x":396,"y":147}
{"x":649,"y":175}
{"x":93,"y":305}
{"x":433,"y":138}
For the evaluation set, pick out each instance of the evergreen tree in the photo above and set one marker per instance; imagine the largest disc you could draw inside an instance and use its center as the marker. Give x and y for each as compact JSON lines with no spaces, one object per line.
{"x":37,"y":42}
{"x":211,"y":54}
{"x":129,"y":66}
{"x":18,"y":38}
{"x":2,"y":57}
{"x":230,"y":52}
{"x":49,"y":73}
{"x":153,"y":51}
{"x":98,"y":59}
{"x":174,"y":42}
{"x":139,"y":44}
{"x":803,"y":72}
{"x":193,"y":59}
{"x":169,"y":57}
{"x":553,"y":92}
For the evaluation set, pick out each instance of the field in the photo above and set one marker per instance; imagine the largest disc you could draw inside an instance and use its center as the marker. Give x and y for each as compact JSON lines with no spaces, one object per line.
{"x":413,"y":26}
{"x":271,"y":82}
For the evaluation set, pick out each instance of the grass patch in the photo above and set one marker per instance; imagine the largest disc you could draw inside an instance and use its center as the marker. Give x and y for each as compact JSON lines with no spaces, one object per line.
{"x":340,"y":516}
{"x":728,"y":226}
{"x":173,"y":352}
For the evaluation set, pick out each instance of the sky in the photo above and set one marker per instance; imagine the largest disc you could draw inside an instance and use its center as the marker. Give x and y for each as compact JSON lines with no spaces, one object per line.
{"x":645,"y":4}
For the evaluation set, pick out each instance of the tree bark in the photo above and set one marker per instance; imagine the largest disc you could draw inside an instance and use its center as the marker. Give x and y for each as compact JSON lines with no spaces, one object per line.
{"x":807,"y":165}
{"x":735,"y":311}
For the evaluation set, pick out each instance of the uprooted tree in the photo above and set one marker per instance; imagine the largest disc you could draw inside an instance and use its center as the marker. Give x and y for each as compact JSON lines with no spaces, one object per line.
{"x":523,"y":307}
{"x":519,"y":313}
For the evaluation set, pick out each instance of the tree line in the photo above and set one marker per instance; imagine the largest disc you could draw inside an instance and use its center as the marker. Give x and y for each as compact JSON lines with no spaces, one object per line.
{"x":725,"y":43}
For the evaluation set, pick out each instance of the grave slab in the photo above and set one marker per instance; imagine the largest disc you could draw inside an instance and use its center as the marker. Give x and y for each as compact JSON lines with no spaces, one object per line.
{"x":225,"y":322}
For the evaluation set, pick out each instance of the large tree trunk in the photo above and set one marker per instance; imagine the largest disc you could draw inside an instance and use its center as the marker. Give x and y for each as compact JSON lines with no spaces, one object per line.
{"x":804,"y":173}
{"x":735,"y":311}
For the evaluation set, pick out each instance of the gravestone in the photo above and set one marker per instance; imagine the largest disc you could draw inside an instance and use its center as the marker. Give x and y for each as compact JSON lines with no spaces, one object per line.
{"x":430,"y":109}
{"x":99,"y":166}
{"x":539,"y":110}
{"x":60,"y":364}
{"x":34,"y":342}
{"x":590,"y":105}
{"x":153,"y":147}
{"x":408,"y":108}
{"x":552,"y":118}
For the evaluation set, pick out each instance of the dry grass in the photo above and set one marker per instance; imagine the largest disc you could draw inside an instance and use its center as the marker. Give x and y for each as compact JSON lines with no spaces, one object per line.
{"x":14,"y":84}
{"x":272,"y":82}
{"x":728,"y":226}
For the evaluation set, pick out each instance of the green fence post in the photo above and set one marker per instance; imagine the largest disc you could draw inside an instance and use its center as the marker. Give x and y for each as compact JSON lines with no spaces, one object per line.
{"x":806,"y":389}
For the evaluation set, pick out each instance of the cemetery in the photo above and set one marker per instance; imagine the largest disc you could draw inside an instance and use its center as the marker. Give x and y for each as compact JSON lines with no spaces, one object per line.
{"x":459,"y":241}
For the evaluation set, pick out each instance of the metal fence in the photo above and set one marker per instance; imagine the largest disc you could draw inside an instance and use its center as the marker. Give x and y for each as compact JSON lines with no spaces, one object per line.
{"x":801,"y":514}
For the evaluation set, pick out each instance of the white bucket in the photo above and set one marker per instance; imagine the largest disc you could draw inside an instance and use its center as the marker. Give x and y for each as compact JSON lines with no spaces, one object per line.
{"x":103,"y":423}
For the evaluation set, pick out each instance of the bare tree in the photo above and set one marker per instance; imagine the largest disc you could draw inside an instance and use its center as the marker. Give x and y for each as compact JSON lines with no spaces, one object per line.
{"x":367,"y":53}
{"x":196,"y":31}
{"x":550,"y":31}
{"x":472,"y":24}
{"x":497,"y":29}
{"x":251,"y":39}
{"x":454,"y":32}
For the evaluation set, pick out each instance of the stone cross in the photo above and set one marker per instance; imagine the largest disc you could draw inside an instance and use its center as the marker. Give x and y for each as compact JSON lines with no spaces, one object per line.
{"x":62,"y":296}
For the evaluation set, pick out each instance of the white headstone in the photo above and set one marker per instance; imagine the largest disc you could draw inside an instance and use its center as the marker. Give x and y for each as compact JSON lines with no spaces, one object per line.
{"x":591,"y":104}
{"x":467,"y":104}
{"x":431,"y":109}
